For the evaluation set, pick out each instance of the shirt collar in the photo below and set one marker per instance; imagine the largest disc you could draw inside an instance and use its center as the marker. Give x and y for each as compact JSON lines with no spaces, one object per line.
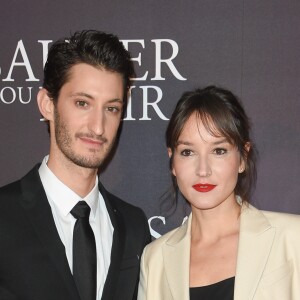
{"x":61,"y":195}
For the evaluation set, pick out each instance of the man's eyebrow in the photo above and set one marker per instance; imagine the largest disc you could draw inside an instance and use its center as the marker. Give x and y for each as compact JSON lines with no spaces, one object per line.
{"x":82,"y":94}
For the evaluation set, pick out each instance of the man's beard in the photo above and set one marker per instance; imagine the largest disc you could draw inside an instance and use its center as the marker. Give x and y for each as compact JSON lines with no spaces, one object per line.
{"x":64,"y":142}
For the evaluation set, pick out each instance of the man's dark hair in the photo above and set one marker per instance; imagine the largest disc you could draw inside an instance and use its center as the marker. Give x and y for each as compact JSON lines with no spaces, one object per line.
{"x":96,"y":48}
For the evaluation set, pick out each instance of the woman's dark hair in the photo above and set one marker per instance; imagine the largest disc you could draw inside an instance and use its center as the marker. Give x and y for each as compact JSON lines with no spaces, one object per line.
{"x":222,"y":114}
{"x":92,"y":47}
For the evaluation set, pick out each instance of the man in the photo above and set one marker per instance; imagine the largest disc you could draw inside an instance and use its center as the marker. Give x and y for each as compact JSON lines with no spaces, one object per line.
{"x":62,"y":235}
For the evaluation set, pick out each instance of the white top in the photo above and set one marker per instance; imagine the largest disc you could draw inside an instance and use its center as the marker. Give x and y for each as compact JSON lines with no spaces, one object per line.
{"x":62,"y":199}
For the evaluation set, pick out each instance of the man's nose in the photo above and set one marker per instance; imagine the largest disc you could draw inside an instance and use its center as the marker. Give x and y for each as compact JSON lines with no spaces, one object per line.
{"x":97,"y":122}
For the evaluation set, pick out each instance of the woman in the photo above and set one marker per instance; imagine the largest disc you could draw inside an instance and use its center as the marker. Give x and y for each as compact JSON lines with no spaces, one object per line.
{"x":227,"y":249}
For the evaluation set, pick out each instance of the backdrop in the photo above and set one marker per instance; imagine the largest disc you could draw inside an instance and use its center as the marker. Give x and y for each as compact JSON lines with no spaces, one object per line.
{"x":250,"y":47}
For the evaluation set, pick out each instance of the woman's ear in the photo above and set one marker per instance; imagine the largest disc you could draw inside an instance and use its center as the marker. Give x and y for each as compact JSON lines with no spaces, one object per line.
{"x":170,"y":153}
{"x":242,"y":167}
{"x":45,"y":104}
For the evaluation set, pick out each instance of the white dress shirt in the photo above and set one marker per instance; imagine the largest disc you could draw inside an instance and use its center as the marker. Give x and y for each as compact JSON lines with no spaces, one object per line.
{"x":62,"y":199}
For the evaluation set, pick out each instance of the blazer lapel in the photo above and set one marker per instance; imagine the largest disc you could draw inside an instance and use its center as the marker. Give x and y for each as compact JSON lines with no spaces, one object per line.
{"x":176,"y":254}
{"x":38,"y":211}
{"x":255,"y":243}
{"x":117,"y":250}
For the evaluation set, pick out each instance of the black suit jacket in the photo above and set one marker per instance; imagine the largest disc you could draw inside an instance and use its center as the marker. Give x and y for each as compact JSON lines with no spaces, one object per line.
{"x":33,"y":263}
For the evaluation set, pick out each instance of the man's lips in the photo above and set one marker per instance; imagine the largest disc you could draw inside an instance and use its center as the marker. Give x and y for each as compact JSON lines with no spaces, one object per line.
{"x":203,"y":187}
{"x":92,"y":142}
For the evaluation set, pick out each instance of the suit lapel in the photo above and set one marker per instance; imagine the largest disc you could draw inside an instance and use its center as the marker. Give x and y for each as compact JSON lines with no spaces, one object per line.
{"x":38,"y":212}
{"x":117,"y":250}
{"x":255,"y":243}
{"x":176,"y":255}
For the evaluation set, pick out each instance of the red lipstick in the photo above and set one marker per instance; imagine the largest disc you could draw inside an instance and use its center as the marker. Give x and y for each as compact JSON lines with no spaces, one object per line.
{"x":203,"y":187}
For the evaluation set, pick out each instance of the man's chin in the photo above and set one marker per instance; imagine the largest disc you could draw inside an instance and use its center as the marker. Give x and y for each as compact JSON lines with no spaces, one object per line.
{"x":89,"y":164}
{"x":85,"y":162}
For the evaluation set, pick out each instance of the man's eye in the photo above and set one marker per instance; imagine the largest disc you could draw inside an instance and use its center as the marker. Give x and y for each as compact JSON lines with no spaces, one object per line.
{"x":220,"y":151}
{"x":186,"y":152}
{"x":113,"y":109}
{"x":81,"y":103}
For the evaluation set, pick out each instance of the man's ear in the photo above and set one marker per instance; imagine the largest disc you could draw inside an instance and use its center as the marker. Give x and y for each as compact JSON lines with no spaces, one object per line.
{"x":45,"y":104}
{"x":170,"y":153}
{"x":244,"y":159}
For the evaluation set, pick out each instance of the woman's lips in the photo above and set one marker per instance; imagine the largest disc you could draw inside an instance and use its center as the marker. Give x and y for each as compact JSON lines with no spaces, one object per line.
{"x":203,"y":187}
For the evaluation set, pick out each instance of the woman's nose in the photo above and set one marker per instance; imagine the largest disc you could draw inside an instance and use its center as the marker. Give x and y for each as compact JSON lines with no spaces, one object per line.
{"x":203,"y":168}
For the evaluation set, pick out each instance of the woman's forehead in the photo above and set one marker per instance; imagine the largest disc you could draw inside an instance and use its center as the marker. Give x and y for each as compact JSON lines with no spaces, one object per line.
{"x":204,"y":127}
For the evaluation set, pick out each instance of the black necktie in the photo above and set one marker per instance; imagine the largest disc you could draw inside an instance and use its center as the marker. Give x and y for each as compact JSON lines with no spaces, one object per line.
{"x":84,"y":253}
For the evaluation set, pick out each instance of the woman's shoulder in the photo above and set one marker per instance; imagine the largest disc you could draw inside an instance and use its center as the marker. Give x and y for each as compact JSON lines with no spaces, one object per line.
{"x":282,"y":219}
{"x":172,"y":237}
{"x":164,"y":238}
{"x":283,"y":222}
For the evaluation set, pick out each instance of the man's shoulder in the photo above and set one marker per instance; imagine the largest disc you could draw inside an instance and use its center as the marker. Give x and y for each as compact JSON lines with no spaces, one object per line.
{"x":15,"y":187}
{"x":119,"y":204}
{"x":10,"y":188}
{"x":124,"y":207}
{"x":133,"y":217}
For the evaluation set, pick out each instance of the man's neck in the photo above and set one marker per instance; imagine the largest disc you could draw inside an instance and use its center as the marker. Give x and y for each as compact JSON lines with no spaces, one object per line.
{"x":80,"y":180}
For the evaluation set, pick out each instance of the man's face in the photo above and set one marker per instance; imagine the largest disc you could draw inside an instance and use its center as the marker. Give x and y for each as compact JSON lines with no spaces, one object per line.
{"x":87,"y":115}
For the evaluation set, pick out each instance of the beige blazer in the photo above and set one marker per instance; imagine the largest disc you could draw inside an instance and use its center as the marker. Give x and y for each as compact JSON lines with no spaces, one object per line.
{"x":268,"y":263}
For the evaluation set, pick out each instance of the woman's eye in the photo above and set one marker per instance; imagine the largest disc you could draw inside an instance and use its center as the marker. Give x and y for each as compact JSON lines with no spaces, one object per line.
{"x":186,"y":152}
{"x":220,"y":151}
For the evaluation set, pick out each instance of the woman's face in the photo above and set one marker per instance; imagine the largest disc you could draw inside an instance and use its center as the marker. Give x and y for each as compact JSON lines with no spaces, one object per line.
{"x":206,"y":167}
